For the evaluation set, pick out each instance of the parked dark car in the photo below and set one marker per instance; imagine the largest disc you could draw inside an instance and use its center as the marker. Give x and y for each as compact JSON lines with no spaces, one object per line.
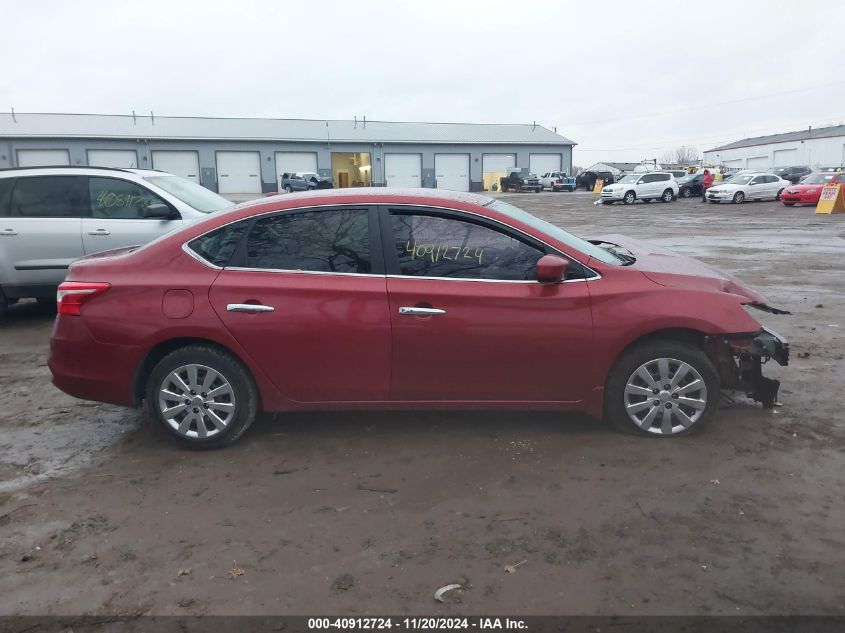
{"x":587,"y":179}
{"x":520,"y":181}
{"x":792,"y":174}
{"x":689,"y":186}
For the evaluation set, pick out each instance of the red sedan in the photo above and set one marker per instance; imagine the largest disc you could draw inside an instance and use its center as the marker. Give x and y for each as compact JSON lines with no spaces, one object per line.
{"x":809,"y":190}
{"x":404,"y":300}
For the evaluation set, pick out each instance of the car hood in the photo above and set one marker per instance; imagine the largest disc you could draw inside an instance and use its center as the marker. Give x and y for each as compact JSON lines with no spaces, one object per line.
{"x":803,"y":187}
{"x":667,"y":268}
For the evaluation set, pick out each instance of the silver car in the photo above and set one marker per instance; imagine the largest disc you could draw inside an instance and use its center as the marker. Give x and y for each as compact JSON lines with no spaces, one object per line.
{"x":51,"y":216}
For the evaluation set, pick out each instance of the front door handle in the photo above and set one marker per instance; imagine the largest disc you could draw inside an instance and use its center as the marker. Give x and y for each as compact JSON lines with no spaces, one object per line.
{"x":99,"y":232}
{"x":407,"y":310}
{"x":9,"y":232}
{"x":248,"y":307}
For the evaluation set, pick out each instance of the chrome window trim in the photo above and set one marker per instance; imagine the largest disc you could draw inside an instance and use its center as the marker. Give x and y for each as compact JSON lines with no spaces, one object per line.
{"x":197,"y":256}
{"x":202,"y":260}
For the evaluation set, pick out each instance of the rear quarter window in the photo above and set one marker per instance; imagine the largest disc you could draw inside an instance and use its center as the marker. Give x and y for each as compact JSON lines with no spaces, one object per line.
{"x":218,"y":246}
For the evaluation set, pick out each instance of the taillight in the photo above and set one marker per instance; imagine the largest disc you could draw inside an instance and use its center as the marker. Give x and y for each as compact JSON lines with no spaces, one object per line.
{"x":72,"y":294}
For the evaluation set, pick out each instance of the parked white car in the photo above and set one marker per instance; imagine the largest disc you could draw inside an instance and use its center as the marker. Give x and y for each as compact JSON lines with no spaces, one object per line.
{"x":654,"y":185}
{"x":50,"y":216}
{"x":748,"y":186}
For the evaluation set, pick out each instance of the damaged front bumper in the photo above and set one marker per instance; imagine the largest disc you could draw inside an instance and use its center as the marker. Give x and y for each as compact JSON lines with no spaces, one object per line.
{"x":740,"y":358}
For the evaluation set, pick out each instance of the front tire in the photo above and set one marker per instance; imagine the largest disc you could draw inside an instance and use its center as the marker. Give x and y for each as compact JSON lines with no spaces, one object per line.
{"x":203,"y":397}
{"x":789,"y":204}
{"x":630,"y":198}
{"x":288,"y":189}
{"x":739,"y":197}
{"x":686,"y":192}
{"x":662,"y":388}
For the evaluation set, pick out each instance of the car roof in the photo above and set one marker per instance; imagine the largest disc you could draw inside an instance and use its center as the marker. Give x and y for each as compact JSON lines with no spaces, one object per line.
{"x":53,"y":170}
{"x":372,"y":195}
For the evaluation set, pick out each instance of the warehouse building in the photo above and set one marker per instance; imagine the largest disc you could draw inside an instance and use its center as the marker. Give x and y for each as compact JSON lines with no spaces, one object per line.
{"x":813,"y":147}
{"x":243,"y":157}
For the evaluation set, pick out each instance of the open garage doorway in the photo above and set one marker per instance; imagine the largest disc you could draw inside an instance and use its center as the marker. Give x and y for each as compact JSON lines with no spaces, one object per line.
{"x":494,"y":167}
{"x":351,"y":169}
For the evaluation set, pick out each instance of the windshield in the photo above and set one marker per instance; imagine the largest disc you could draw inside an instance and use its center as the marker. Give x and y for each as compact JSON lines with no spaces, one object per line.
{"x":817,"y":179}
{"x":194,"y":195}
{"x":630,"y":178}
{"x":557,"y":233}
{"x":742,"y":179}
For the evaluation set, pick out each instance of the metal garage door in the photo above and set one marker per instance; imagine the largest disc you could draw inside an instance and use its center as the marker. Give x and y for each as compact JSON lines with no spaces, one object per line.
{"x":39,"y":157}
{"x":126,"y":158}
{"x":543,"y":163}
{"x":451,"y":171}
{"x":494,"y":166}
{"x":786,"y":157}
{"x":287,"y":162}
{"x":238,"y":172}
{"x":179,"y":163}
{"x":759,"y":162}
{"x":403,"y":170}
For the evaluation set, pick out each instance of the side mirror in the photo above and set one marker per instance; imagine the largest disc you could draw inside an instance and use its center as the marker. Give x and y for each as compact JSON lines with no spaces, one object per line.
{"x":158,"y":211}
{"x":551,"y":269}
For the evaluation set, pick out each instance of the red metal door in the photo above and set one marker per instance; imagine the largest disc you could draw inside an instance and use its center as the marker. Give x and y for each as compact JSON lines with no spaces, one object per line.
{"x":327,"y":338}
{"x":489,"y":340}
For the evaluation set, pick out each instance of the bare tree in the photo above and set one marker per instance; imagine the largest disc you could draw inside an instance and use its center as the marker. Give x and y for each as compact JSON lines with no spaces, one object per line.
{"x":686,"y":155}
{"x":667,"y":158}
{"x":683,"y":155}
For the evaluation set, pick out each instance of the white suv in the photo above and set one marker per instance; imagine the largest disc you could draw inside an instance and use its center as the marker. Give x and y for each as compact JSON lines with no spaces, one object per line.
{"x":653,"y":185}
{"x":50,"y":216}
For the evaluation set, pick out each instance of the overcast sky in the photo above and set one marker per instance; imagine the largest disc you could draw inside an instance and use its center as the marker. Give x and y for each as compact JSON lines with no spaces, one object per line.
{"x":626,"y":80}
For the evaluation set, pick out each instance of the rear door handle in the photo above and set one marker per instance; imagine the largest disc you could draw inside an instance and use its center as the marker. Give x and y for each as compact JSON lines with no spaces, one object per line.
{"x":407,"y":310}
{"x":9,"y":232}
{"x":248,"y":307}
{"x":99,"y":232}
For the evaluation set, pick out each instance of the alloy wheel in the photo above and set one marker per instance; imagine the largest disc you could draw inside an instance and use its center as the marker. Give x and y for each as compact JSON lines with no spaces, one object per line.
{"x":629,"y":197}
{"x":665,"y":396}
{"x":739,"y":197}
{"x":196,"y":401}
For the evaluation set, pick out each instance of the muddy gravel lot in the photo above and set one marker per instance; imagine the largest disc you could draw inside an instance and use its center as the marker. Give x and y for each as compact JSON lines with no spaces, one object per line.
{"x":356,"y":513}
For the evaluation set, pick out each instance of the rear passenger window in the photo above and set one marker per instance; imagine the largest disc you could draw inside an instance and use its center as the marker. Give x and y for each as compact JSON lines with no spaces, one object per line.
{"x":6,"y":185}
{"x":48,"y":197}
{"x":336,"y":240}
{"x":119,"y":199}
{"x":218,"y":246}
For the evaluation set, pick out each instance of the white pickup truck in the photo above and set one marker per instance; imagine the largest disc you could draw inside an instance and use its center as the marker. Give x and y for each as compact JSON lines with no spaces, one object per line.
{"x":557,"y":181}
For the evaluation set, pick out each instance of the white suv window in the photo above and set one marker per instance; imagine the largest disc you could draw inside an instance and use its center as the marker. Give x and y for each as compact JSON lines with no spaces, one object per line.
{"x":119,"y":199}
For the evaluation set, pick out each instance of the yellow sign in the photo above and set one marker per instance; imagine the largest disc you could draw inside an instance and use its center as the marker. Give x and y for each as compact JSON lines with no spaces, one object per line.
{"x":598,"y":186}
{"x":831,"y":200}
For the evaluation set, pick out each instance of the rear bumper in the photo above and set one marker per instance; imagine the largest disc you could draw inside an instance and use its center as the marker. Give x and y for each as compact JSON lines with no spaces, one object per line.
{"x":85,"y":368}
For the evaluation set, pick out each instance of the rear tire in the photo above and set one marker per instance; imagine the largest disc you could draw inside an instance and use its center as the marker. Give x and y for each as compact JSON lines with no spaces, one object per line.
{"x":692,"y":398}
{"x":4,"y":306}
{"x":227,"y":414}
{"x":668,"y":196}
{"x":777,"y":197}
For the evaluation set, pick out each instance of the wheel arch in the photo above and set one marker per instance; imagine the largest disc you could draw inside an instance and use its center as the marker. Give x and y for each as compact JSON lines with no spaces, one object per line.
{"x":690,"y":336}
{"x":163,"y":348}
